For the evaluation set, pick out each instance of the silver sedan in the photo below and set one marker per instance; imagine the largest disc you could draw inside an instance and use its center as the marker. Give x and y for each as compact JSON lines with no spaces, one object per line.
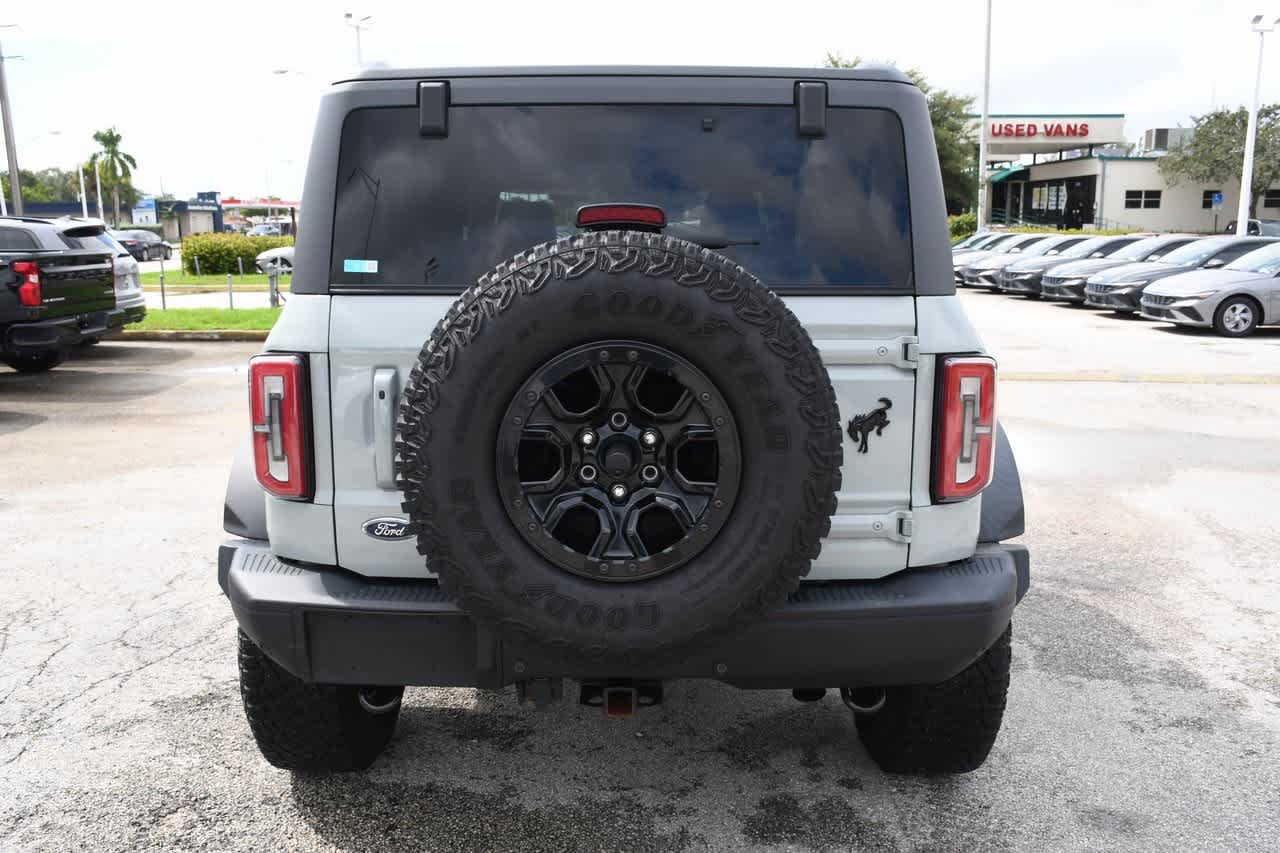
{"x":1234,"y":300}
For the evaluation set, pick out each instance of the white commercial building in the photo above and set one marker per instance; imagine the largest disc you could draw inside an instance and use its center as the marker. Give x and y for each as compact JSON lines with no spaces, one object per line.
{"x":1089,"y":182}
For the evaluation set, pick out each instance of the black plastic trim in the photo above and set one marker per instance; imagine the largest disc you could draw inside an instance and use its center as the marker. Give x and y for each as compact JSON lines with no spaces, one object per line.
{"x":433,"y":108}
{"x":919,"y":626}
{"x":811,"y":108}
{"x":1003,"y":513}
{"x":244,"y":509}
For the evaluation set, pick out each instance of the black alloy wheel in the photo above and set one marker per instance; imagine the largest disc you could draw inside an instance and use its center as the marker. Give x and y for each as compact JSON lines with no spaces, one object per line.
{"x":618,"y":460}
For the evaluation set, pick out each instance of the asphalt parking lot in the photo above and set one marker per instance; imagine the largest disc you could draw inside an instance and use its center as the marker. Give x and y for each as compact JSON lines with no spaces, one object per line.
{"x":1144,"y":712}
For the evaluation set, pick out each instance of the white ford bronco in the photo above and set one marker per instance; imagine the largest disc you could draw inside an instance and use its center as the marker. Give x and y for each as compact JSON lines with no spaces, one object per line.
{"x":623,"y":375}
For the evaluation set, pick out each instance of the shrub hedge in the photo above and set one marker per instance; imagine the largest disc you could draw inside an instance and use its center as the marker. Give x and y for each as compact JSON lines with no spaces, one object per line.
{"x":218,"y":252}
{"x":962,"y":225}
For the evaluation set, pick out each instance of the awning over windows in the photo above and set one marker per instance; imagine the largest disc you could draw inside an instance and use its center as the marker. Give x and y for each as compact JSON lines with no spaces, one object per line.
{"x":1014,"y":173}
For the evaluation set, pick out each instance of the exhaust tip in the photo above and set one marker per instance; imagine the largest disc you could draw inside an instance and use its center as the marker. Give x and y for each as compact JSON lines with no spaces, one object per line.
{"x":864,"y":700}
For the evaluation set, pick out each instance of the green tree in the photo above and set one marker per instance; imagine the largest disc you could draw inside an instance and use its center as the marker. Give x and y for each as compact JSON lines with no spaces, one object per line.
{"x":46,"y":185}
{"x":949,"y":114}
{"x":1215,"y":152}
{"x":117,"y":166}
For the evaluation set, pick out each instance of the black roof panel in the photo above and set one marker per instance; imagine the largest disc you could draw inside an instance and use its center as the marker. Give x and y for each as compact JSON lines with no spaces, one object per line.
{"x":868,"y":71}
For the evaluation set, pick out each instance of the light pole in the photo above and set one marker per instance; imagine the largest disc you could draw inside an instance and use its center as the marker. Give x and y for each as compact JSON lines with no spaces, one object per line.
{"x":1250,"y":135}
{"x":357,"y":24}
{"x":982,"y":128}
{"x":10,"y":144}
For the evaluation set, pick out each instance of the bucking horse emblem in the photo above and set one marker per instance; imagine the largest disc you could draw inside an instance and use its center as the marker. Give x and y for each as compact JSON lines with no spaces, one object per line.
{"x":861,"y":426}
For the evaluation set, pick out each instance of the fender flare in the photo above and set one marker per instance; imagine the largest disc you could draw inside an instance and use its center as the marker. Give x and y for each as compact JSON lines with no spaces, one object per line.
{"x":1002,"y":507}
{"x":244,"y":511}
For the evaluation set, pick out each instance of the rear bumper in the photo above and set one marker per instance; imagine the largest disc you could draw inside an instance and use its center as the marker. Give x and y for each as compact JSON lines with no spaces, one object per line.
{"x":920,"y":626}
{"x":57,"y":333}
{"x":126,"y":314}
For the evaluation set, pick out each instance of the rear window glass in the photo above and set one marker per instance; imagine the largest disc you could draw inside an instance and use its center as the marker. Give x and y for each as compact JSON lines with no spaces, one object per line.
{"x":13,"y":240}
{"x":97,"y":243}
{"x":442,"y":211}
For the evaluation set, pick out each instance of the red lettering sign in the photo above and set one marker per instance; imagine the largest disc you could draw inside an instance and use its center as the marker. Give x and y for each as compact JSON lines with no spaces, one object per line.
{"x":1009,"y":128}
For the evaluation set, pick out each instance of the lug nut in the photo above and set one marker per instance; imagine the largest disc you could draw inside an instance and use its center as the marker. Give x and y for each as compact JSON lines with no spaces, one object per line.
{"x":650,"y":473}
{"x":649,"y":438}
{"x":588,"y":438}
{"x":587,"y":473}
{"x":618,"y":492}
{"x":618,"y":420}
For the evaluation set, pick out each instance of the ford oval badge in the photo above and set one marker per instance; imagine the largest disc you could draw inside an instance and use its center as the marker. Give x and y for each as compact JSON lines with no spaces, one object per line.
{"x":387,"y":529}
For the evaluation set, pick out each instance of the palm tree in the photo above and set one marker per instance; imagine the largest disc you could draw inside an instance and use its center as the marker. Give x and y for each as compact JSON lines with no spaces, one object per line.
{"x":115,"y":163}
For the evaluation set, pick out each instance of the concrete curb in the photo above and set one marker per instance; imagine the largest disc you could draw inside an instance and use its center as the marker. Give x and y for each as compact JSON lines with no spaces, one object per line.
{"x":241,"y":335}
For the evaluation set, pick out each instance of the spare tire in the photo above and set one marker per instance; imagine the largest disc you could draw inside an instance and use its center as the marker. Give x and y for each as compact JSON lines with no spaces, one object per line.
{"x":618,"y":444}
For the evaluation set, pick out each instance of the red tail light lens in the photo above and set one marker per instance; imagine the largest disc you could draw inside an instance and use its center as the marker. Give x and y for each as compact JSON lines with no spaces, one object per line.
{"x":279,"y":406}
{"x":621,"y":216}
{"x":965,"y":446}
{"x":29,"y":283}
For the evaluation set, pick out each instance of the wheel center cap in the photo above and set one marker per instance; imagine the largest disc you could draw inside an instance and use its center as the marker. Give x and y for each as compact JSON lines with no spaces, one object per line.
{"x":619,"y":458}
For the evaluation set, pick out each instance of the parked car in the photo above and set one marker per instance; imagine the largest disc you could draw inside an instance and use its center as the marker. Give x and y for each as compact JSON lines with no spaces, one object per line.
{"x":131,"y":302}
{"x":279,"y":258}
{"x":1257,"y":227}
{"x":982,"y":271}
{"x":1123,"y":285}
{"x":965,"y":256}
{"x":143,"y":245}
{"x":1234,"y":300}
{"x":1023,"y":276}
{"x":54,"y":293}
{"x":1095,"y":294}
{"x":975,"y":240}
{"x":617,"y":457}
{"x":266,"y":229}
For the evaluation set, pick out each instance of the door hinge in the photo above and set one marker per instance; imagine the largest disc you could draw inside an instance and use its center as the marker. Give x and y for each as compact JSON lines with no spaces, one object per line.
{"x":902,"y":351}
{"x":895,"y":526}
{"x":910,"y":353}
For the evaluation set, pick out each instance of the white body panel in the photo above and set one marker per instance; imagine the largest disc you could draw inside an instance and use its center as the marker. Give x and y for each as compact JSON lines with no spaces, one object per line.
{"x":883,"y":521}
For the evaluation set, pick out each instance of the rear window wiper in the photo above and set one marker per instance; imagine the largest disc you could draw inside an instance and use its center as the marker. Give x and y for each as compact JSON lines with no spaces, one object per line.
{"x":716,"y":242}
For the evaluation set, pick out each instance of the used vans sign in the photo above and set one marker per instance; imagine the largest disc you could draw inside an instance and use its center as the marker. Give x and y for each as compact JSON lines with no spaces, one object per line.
{"x":1013,"y":135}
{"x":1031,"y":128}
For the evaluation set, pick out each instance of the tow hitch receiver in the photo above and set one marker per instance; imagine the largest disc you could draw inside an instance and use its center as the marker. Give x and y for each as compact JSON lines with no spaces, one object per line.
{"x":619,"y":699}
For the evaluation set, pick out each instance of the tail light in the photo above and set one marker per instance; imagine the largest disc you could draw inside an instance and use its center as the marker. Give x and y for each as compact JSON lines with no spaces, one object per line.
{"x":964,"y":450}
{"x":29,"y":283}
{"x":647,"y":216}
{"x":279,"y":407}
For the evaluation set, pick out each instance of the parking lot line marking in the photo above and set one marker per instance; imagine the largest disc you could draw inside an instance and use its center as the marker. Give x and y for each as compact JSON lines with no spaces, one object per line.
{"x":1141,"y":378}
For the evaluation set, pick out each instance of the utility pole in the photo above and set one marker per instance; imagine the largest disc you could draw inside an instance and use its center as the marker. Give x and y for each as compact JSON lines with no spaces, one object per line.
{"x":1250,"y":135}
{"x":982,"y":130}
{"x":10,"y":144}
{"x":84,"y":200}
{"x":97,"y":188}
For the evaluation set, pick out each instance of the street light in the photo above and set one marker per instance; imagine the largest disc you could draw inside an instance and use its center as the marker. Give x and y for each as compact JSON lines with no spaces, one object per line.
{"x":357,"y":24}
{"x":1260,"y":27}
{"x":10,"y":145}
{"x":982,"y":130}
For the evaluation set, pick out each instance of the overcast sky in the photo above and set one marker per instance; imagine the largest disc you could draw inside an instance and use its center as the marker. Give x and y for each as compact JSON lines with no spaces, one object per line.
{"x":195,"y":98}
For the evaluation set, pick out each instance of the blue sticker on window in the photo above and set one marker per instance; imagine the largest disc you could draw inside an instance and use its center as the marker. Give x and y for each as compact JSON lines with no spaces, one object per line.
{"x":357,"y":265}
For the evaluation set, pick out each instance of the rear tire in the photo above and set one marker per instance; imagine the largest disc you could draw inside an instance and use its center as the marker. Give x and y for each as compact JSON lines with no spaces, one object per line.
{"x":34,"y":362}
{"x":168,"y":253}
{"x":941,"y":728}
{"x":311,"y":728}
